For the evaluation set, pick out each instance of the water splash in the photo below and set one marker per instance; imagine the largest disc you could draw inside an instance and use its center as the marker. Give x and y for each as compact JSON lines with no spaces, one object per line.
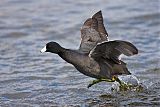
{"x":130,"y":83}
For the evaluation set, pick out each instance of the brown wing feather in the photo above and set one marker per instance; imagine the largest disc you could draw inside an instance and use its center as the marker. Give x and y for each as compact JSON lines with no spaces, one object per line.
{"x":92,"y":32}
{"x":113,"y":49}
{"x":101,"y":27}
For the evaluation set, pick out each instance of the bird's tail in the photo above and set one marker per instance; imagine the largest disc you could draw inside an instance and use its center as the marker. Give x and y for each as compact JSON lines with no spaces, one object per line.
{"x":119,"y":69}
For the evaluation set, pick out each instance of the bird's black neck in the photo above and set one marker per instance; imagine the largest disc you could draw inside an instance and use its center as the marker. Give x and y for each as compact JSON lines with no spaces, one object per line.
{"x":70,"y":56}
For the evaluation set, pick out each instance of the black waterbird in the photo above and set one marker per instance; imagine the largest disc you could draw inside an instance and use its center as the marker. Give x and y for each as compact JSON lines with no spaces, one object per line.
{"x":97,"y":57}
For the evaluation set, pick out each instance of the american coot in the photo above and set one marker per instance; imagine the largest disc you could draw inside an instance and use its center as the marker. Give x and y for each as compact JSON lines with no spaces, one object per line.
{"x":96,"y":57}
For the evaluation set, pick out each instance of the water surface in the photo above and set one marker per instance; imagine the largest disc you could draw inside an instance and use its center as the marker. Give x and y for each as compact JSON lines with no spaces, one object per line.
{"x":29,"y":78}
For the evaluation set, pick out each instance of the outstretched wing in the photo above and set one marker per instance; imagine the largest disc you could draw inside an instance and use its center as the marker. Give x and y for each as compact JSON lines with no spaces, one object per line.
{"x":113,"y":49}
{"x":101,"y":27}
{"x":92,"y":32}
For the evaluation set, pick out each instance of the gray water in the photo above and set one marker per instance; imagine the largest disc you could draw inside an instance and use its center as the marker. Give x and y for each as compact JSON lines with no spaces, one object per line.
{"x":29,"y":78}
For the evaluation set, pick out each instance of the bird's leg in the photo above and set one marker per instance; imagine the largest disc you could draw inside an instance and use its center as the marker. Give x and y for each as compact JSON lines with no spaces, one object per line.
{"x":108,"y":80}
{"x":94,"y":82}
{"x":118,"y":80}
{"x":98,"y":81}
{"x":123,"y":86}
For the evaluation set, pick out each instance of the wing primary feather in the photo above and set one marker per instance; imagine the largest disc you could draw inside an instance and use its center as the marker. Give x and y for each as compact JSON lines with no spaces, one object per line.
{"x":113,"y":49}
{"x":126,"y":48}
{"x":99,"y":18}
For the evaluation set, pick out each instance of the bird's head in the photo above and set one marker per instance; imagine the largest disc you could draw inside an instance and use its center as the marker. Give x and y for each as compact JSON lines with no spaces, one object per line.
{"x":52,"y":47}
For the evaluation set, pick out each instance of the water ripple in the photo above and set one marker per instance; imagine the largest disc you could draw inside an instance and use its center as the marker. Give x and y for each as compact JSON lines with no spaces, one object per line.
{"x":29,"y":78}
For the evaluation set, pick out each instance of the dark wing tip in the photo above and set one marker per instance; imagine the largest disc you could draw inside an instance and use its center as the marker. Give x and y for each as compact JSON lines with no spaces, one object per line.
{"x":126,"y":48}
{"x":88,"y":22}
{"x":99,"y":13}
{"x":134,"y":48}
{"x":136,"y":51}
{"x":101,"y":27}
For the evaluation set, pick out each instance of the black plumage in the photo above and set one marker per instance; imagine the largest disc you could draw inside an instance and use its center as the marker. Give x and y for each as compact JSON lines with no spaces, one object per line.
{"x":96,"y":57}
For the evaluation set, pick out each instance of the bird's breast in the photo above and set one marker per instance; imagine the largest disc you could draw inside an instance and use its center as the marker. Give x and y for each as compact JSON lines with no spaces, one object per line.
{"x":89,"y":67}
